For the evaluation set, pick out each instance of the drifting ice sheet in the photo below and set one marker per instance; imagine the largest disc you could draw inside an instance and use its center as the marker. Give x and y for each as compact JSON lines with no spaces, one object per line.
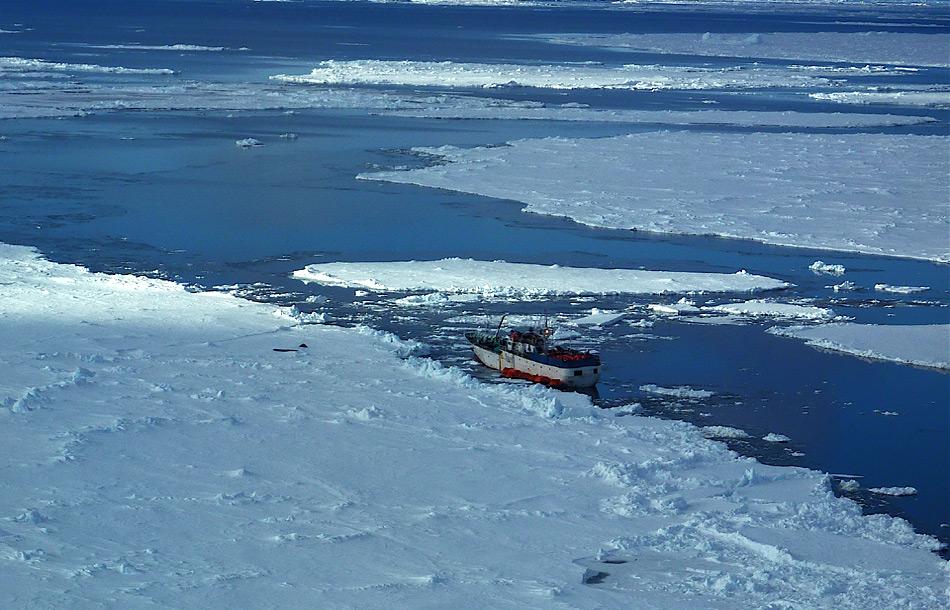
{"x":548,"y":76}
{"x":923,"y":345}
{"x":677,"y":392}
{"x":879,"y":194}
{"x":28,"y":65}
{"x":504,"y":279}
{"x":894,"y":491}
{"x":184,"y":463}
{"x":759,"y":308}
{"x":723,"y":432}
{"x":939,"y":99}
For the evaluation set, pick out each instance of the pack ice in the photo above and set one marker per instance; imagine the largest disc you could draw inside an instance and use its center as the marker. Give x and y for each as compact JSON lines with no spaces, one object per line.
{"x":925,"y":345}
{"x":157,"y":451}
{"x":549,"y":76}
{"x":497,"y":279}
{"x":871,"y":193}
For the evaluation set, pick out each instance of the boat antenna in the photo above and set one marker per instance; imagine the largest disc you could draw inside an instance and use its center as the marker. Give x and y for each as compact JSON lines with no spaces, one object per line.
{"x":500,"y":322}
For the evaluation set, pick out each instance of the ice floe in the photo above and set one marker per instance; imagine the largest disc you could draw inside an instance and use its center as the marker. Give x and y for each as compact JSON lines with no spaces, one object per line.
{"x":184,"y":462}
{"x":900,"y":289}
{"x":676,"y":392}
{"x":598,"y":317}
{"x":872,"y":193}
{"x":24,"y":64}
{"x":844,"y":286}
{"x":774,"y":437}
{"x":195,"y":48}
{"x":723,"y":432}
{"x":849,"y":485}
{"x":894,"y":491}
{"x":548,"y":76}
{"x":900,"y":48}
{"x":919,"y":344}
{"x":497,"y":279}
{"x":939,"y":99}
{"x":770,"y":309}
{"x":683,"y":306}
{"x":821,"y":267}
{"x":248,"y":143}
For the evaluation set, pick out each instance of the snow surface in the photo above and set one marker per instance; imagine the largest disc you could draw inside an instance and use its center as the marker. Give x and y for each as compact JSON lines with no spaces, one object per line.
{"x":761,"y":308}
{"x":774,"y":437}
{"x":863,"y":47}
{"x":921,"y":344}
{"x":159,"y":452}
{"x":548,"y":76}
{"x":677,"y":392}
{"x":871,"y":193}
{"x":501,"y":279}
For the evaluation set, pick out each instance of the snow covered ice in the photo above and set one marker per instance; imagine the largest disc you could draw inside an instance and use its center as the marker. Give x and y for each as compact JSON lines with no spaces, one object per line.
{"x":900,"y":289}
{"x":871,"y":193}
{"x":678,"y":392}
{"x":938,"y":98}
{"x":893,"y":491}
{"x":553,"y":76}
{"x":762,"y":308}
{"x":185,"y":462}
{"x":501,"y":279}
{"x":723,"y":432}
{"x":918,"y":344}
{"x":30,"y":65}
{"x":821,"y":267}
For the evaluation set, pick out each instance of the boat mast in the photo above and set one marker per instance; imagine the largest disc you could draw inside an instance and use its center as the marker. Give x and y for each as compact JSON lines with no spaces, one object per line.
{"x":500,"y":322}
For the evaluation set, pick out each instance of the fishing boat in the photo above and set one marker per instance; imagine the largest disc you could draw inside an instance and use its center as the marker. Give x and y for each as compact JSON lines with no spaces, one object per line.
{"x":531,"y":355}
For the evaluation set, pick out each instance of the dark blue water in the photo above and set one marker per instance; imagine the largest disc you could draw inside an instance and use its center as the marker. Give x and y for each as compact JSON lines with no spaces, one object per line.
{"x":169,"y":194}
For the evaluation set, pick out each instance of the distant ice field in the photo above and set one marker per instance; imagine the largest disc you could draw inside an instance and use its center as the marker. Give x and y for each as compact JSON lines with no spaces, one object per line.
{"x":897,"y":48}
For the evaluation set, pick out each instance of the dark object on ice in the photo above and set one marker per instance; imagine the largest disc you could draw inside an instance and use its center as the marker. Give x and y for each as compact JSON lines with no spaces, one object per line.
{"x":284,"y":349}
{"x":303,"y":345}
{"x":594,"y":578}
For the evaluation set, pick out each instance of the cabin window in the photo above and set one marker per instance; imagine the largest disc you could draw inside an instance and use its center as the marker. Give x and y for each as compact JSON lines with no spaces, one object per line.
{"x":578,"y":373}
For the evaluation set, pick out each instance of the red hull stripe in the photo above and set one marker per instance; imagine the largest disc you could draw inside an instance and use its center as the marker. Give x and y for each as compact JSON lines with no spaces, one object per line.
{"x":516,"y":374}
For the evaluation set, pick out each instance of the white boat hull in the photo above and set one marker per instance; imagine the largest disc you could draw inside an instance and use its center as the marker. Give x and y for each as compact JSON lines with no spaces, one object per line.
{"x":579,"y":377}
